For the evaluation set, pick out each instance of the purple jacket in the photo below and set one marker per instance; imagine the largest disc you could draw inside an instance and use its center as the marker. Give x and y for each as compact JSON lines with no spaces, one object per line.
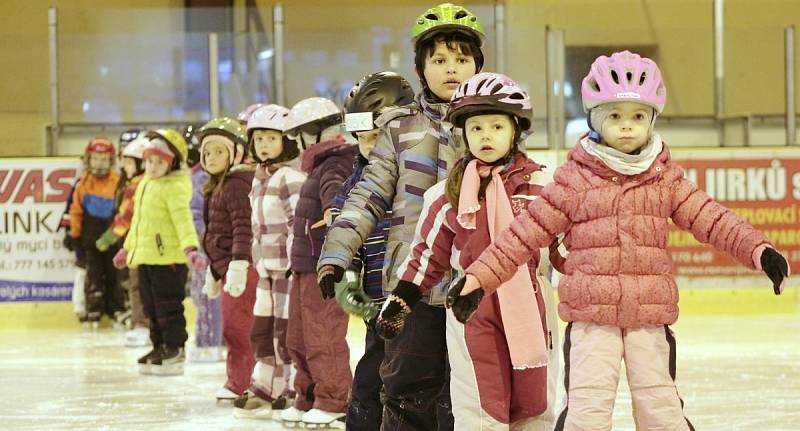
{"x":228,"y":234}
{"x":327,"y":164}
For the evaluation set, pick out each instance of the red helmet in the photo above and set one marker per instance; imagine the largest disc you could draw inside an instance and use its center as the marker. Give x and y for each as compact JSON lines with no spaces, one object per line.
{"x":99,"y":145}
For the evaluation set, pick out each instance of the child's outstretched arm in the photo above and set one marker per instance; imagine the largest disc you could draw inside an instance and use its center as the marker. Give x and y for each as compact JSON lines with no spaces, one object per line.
{"x":546,"y":217}
{"x":712,"y":223}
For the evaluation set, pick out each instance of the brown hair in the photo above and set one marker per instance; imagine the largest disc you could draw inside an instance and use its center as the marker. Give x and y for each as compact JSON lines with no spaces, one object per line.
{"x":452,"y":188}
{"x":455,"y":41}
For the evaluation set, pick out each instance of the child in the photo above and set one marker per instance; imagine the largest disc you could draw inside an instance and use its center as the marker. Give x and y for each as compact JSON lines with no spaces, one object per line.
{"x":161,"y":243}
{"x":91,"y":213}
{"x":227,"y":243}
{"x":132,"y":169}
{"x":498,"y":361}
{"x":273,"y":197}
{"x":613,"y":199}
{"x":317,"y":328}
{"x":208,"y":330}
{"x":363,"y":295}
{"x":414,"y":151}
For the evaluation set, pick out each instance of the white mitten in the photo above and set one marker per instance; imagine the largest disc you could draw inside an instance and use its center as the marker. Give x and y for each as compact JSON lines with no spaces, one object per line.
{"x":236,"y":278}
{"x":210,"y":286}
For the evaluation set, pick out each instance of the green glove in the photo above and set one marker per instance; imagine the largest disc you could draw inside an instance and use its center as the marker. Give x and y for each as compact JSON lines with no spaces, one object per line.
{"x":352,"y":299}
{"x":106,"y":240}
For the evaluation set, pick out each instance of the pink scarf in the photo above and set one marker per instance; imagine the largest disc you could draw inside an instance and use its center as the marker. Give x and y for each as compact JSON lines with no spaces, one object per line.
{"x":518,"y":308}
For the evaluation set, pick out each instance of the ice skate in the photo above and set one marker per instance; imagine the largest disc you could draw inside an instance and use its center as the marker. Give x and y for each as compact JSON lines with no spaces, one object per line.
{"x":137,"y":337}
{"x":292,"y":417}
{"x":144,"y":361}
{"x":225,"y":396}
{"x":321,"y":419}
{"x":169,"y":362}
{"x":251,"y":406}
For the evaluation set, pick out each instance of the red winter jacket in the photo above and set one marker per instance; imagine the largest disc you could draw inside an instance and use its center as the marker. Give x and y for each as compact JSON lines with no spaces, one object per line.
{"x":618,"y":271}
{"x":226,"y":213}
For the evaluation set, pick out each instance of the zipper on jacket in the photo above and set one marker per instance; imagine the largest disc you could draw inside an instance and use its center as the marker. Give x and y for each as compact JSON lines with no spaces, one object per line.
{"x":159,"y":244}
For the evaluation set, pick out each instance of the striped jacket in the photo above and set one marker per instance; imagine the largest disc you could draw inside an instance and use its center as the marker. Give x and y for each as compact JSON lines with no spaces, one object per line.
{"x":370,"y":255}
{"x":440,"y":243}
{"x":124,"y":216}
{"x":415,"y":150}
{"x":273,"y":197}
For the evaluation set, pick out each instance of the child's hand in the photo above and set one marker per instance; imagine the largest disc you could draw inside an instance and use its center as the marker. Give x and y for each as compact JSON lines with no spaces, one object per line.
{"x":776,"y":268}
{"x":236,"y":278}
{"x":327,"y":277}
{"x":120,"y":259}
{"x":464,"y":304}
{"x":396,"y":309}
{"x":196,"y":260}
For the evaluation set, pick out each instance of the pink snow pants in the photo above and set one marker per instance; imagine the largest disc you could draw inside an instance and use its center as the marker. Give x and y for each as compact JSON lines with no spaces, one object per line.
{"x":592,"y":357}
{"x":237,"y":321}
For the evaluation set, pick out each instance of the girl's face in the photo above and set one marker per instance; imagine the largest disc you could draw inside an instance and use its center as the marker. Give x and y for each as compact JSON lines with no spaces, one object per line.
{"x":489,"y":136}
{"x":100,"y":164}
{"x":627,"y":127}
{"x":155,"y":166}
{"x":268,"y":144}
{"x":445,"y":70}
{"x":366,"y":141}
{"x":129,"y":166}
{"x":215,"y":155}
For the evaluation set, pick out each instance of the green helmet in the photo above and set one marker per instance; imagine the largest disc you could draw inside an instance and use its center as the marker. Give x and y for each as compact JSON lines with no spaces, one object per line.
{"x":446,"y":16}
{"x":227,"y":126}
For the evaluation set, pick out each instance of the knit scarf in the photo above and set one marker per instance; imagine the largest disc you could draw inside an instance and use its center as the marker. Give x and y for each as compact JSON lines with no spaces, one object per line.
{"x":518,"y":308}
{"x":625,"y":164}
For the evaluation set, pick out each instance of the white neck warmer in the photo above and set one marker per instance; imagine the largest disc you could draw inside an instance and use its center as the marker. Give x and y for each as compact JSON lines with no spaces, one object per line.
{"x":626,"y":164}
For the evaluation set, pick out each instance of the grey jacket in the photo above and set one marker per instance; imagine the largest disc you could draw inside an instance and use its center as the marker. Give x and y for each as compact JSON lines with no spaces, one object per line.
{"x":414,"y":151}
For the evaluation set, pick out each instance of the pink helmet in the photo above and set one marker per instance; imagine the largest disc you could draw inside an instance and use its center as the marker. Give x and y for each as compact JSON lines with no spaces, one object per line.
{"x":273,"y":117}
{"x":487,"y":92}
{"x":244,"y":116}
{"x":624,"y":77}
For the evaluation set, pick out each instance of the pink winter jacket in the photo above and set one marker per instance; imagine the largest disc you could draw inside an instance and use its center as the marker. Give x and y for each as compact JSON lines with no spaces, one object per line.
{"x":618,"y":271}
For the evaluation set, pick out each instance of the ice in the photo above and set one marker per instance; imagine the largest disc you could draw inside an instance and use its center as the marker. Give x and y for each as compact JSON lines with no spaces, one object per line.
{"x":734,"y":373}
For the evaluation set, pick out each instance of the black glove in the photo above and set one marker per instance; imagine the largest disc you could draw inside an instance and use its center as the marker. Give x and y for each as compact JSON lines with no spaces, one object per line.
{"x":69,"y":242}
{"x":463,"y":306}
{"x":776,"y":268}
{"x":327,"y":277}
{"x":396,"y":309}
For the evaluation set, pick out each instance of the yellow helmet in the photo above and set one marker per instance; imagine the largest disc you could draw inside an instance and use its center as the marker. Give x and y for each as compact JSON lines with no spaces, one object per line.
{"x":173,"y":138}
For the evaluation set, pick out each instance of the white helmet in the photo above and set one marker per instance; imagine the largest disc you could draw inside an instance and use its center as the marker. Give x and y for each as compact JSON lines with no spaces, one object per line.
{"x":313,"y":110}
{"x":273,"y":117}
{"x":135,"y":149}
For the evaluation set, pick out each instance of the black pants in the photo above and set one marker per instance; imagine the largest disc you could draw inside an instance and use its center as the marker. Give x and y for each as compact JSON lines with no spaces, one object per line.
{"x":103,"y":292}
{"x":162,"y":291}
{"x":416,"y":375}
{"x":365,"y":409}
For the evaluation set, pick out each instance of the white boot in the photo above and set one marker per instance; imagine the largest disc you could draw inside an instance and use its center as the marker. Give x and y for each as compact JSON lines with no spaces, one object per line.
{"x":291,"y":416}
{"x":137,"y":337}
{"x":225,"y":395}
{"x":321,"y":419}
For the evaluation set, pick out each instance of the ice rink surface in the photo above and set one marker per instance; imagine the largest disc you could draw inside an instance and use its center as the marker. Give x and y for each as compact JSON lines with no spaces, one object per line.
{"x":734,"y":373}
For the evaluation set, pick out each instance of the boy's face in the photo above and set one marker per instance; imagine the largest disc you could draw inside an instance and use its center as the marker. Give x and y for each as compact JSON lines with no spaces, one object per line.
{"x":446,"y":69}
{"x":268,"y":144}
{"x":100,"y":164}
{"x":627,"y":127}
{"x":489,"y":136}
{"x":366,"y":141}
{"x":129,"y":166}
{"x":215,"y":155}
{"x":155,"y":166}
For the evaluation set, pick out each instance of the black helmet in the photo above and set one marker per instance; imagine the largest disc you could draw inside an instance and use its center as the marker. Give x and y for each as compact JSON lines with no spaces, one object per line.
{"x":372,"y":94}
{"x":193,"y":143}
{"x":126,"y":138}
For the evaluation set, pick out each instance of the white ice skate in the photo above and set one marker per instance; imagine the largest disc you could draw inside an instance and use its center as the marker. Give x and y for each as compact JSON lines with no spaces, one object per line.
{"x":169,"y":362}
{"x":225,"y":396}
{"x":321,"y":419}
{"x":137,"y":337}
{"x":292,"y":417}
{"x":250,"y":406}
{"x":144,"y":362}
